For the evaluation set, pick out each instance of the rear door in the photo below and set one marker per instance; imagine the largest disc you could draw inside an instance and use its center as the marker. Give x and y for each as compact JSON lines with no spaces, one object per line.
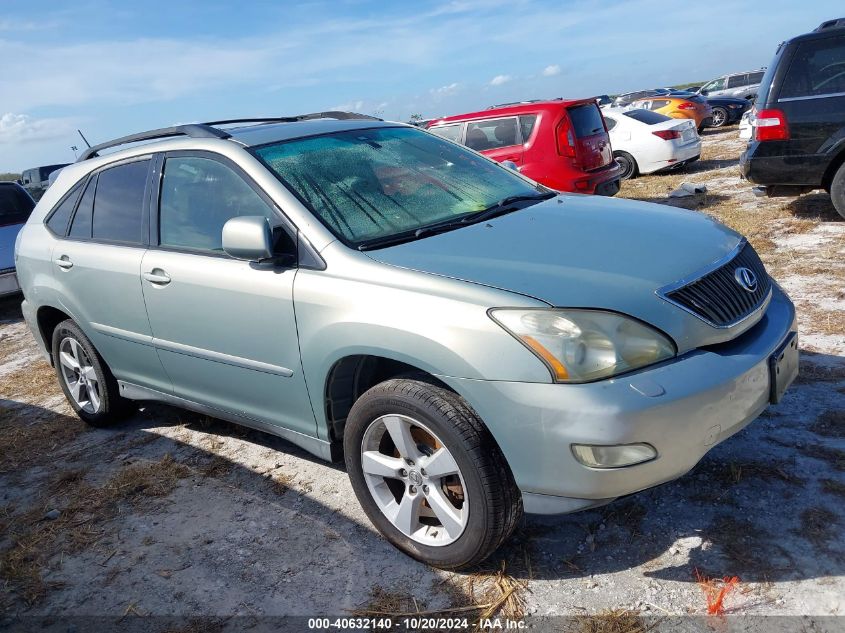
{"x":812,"y":95}
{"x":97,"y":270}
{"x":592,"y":143}
{"x":499,"y":138}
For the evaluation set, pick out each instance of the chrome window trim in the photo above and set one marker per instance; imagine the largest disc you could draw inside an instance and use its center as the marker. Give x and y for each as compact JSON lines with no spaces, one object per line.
{"x":808,"y":97}
{"x":703,"y":272}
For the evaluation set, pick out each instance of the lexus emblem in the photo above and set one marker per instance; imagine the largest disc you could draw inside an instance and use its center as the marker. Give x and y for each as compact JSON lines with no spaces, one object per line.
{"x":746,"y":278}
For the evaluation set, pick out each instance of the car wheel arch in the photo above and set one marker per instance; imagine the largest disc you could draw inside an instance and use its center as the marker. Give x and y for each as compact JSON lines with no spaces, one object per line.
{"x":352,"y":375}
{"x":48,"y":317}
{"x":832,"y":168}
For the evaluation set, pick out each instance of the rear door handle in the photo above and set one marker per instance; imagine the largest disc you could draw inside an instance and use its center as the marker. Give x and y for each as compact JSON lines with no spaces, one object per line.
{"x":157,"y":276}
{"x":64,"y":262}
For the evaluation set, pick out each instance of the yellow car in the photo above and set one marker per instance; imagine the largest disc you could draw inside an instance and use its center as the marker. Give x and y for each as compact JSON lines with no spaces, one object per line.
{"x":679,"y":107}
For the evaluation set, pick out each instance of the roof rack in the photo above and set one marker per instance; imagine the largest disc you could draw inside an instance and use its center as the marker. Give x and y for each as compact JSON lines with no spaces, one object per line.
{"x":210,"y":130}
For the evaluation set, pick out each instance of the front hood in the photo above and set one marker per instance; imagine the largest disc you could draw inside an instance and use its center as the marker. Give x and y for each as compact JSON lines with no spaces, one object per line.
{"x":586,"y":252}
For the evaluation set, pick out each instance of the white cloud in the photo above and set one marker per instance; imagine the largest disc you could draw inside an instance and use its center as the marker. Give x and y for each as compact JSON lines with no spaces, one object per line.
{"x":17,"y":128}
{"x":498,"y":80}
{"x":444,"y":91}
{"x":551,"y":70}
{"x":351,"y":106}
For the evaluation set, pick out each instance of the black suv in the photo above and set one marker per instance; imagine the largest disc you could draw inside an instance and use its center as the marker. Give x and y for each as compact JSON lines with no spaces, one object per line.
{"x":798,"y":127}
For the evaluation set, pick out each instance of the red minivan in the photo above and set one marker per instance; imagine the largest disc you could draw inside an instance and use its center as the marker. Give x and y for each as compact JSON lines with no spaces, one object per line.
{"x":562,"y":144}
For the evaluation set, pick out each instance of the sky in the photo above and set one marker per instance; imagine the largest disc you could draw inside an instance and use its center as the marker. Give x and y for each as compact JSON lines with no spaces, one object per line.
{"x":114,"y":68}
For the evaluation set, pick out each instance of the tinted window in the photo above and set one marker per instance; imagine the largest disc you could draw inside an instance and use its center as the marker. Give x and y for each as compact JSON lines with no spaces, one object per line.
{"x":610,"y":122}
{"x":736,"y":81}
{"x":198,"y":196}
{"x":59,"y":218}
{"x":81,"y":225}
{"x":645,"y":116}
{"x":491,"y":134}
{"x":586,"y":120}
{"x":526,"y":125}
{"x":119,"y":203}
{"x":818,"y":68}
{"x":15,"y":205}
{"x":451,"y":132}
{"x":755,"y":78}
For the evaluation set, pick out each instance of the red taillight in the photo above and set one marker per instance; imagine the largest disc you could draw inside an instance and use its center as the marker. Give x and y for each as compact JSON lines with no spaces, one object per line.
{"x":667,"y":135}
{"x":686,"y":105}
{"x":565,"y":139}
{"x":770,"y":125}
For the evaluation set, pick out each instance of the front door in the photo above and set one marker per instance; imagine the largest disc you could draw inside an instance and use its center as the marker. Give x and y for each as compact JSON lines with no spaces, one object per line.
{"x":224,"y":329}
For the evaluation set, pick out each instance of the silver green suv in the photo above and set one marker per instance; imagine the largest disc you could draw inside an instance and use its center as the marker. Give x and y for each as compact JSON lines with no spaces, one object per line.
{"x":471,"y":343}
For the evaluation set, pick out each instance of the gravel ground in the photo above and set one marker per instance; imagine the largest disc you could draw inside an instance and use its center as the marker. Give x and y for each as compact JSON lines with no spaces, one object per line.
{"x":175,"y":514}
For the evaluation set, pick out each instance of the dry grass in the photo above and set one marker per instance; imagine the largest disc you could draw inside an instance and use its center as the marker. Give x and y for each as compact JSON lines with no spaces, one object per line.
{"x":614,"y":621}
{"x":810,"y":371}
{"x":28,"y":435}
{"x":833,"y":487}
{"x":819,"y":526}
{"x":831,"y":423}
{"x":743,"y":543}
{"x":835,"y":457}
{"x":84,"y":509}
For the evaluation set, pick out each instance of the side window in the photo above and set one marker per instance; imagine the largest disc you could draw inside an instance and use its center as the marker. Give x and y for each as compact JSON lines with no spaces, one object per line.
{"x":60,"y":217}
{"x":119,"y":203}
{"x":450,"y":132}
{"x":198,"y":196}
{"x":81,"y":224}
{"x":656,"y":104}
{"x":491,"y":134}
{"x":526,"y":126}
{"x":737,"y":81}
{"x":610,"y":122}
{"x":817,"y":69}
{"x":755,"y":78}
{"x":716,"y":84}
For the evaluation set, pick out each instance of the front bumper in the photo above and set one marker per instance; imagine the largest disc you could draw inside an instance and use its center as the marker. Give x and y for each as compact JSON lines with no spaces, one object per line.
{"x":9,"y":284}
{"x":682,"y":408}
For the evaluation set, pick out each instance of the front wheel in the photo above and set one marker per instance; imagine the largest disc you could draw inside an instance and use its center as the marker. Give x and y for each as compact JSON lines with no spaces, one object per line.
{"x":837,"y":190}
{"x":428,"y":473}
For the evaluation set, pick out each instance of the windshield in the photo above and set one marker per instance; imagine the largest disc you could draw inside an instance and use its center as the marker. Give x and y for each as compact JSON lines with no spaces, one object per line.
{"x":375,"y":183}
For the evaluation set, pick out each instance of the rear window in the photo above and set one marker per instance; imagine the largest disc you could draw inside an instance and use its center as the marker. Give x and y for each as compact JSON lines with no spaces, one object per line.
{"x":15,"y":205}
{"x":450,"y":132}
{"x":586,"y":120}
{"x":646,"y":116}
{"x":817,"y":68}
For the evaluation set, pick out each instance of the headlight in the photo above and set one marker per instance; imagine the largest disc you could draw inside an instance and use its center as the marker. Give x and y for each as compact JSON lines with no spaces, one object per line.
{"x":583,"y":345}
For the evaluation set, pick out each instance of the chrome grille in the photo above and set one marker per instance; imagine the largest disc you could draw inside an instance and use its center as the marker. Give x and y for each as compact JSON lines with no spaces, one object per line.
{"x":717,"y":297}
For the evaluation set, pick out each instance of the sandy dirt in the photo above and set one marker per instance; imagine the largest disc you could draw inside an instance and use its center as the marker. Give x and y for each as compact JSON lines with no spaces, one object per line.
{"x":171,"y":513}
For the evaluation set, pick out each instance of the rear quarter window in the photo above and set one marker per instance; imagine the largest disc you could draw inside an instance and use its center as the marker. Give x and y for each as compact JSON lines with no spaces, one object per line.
{"x":59,"y":218}
{"x":817,"y":68}
{"x":449,"y":132}
{"x":526,"y":126}
{"x":15,"y":205}
{"x":586,"y":120}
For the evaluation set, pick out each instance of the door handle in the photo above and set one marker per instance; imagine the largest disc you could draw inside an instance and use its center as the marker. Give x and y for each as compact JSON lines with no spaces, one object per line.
{"x":157,"y":276}
{"x":64,"y":262}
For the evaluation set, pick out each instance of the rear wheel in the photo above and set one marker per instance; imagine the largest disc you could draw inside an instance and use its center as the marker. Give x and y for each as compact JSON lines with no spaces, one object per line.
{"x":837,"y":190}
{"x":428,"y":473}
{"x":719,"y":117}
{"x":85,"y":378}
{"x":627,"y":164}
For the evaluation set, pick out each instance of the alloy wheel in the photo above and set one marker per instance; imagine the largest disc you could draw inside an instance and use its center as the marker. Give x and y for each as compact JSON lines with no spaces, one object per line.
{"x":414,"y":480}
{"x":718,"y":117}
{"x":79,"y":375}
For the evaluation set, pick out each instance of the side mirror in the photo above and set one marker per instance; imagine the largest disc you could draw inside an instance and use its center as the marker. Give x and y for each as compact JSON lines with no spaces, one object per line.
{"x":510,"y":165}
{"x":248,"y":237}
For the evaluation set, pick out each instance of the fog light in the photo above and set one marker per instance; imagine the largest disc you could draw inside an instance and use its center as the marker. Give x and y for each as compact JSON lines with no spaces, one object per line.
{"x":613,"y":456}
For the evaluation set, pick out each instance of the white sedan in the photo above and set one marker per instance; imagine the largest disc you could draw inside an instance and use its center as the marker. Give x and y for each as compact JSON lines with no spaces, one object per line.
{"x":645,"y":142}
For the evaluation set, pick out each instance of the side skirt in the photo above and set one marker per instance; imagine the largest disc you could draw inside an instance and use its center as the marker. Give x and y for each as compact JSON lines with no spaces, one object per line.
{"x":321,"y":448}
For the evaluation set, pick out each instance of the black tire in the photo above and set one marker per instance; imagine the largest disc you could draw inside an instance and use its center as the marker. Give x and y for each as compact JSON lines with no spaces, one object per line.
{"x":837,"y":190}
{"x":111,"y":407}
{"x":720,"y":117}
{"x":628,"y":164}
{"x":495,"y":502}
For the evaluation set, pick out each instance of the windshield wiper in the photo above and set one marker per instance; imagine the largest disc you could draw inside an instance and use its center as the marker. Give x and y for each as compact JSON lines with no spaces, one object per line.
{"x":503,"y":206}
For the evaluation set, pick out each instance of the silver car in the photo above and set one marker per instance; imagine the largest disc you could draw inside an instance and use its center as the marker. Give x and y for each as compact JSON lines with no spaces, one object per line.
{"x":472,"y":344}
{"x":742,"y":85}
